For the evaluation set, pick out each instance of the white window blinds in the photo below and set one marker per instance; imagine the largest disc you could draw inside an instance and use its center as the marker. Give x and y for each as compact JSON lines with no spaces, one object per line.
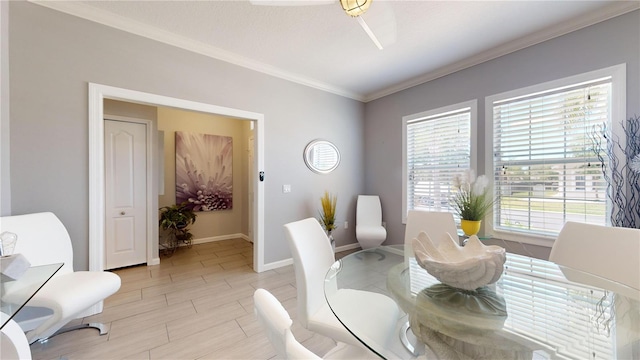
{"x":568,"y":320}
{"x":545,"y":170}
{"x":324,"y":157}
{"x":437,"y":148}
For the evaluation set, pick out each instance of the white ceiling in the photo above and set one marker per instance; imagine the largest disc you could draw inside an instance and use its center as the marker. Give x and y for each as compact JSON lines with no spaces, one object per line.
{"x":320,"y":46}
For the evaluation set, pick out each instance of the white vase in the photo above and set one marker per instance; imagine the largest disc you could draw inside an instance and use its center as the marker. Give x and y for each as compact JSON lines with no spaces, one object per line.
{"x":331,"y":241}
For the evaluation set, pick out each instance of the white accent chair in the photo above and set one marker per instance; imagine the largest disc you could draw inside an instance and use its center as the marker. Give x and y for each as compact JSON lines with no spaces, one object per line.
{"x":43,"y":239}
{"x":312,"y":258}
{"x":369,"y":230}
{"x":13,"y":343}
{"x":612,"y":253}
{"x":434,"y":223}
{"x":276,"y":320}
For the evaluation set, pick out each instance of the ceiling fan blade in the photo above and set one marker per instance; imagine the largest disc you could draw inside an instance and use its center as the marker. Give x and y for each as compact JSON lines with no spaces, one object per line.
{"x":381,"y":21}
{"x":378,"y":21}
{"x":366,"y":28}
{"x":291,"y":2}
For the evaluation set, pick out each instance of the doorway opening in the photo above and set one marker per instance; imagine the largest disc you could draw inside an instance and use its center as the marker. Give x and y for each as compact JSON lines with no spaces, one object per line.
{"x":97,"y":94}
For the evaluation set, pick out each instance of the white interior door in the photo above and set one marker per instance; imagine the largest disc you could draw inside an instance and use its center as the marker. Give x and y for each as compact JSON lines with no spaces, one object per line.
{"x":125,"y":193}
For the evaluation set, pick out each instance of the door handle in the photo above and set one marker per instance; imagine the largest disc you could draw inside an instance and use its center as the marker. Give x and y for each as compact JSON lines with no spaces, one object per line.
{"x":122,"y":213}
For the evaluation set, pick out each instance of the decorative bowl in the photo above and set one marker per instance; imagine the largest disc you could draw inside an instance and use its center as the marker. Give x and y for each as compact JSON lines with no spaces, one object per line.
{"x":468,"y":267}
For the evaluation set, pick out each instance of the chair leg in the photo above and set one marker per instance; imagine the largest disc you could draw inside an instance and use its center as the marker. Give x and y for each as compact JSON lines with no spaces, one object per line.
{"x":101,"y":328}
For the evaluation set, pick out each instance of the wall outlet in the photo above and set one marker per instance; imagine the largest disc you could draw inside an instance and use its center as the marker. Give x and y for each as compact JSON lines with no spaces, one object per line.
{"x":286,"y":189}
{"x":346,"y":224}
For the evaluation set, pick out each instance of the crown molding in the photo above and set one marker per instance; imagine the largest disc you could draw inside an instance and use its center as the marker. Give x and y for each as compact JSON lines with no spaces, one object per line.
{"x":121,"y":23}
{"x":131,"y":26}
{"x":615,"y":9}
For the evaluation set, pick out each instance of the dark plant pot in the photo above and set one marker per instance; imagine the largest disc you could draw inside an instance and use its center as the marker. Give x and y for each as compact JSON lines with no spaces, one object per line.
{"x":183,"y":237}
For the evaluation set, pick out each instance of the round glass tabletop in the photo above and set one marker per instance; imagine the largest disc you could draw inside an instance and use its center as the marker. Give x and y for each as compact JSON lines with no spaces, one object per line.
{"x":535,"y":307}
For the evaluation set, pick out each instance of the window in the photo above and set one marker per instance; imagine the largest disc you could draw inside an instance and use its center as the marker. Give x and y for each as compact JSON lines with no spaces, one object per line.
{"x":437,"y":145}
{"x":544,"y":167}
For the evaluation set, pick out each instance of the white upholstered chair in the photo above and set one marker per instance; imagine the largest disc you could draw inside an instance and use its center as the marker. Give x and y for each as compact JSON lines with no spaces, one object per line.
{"x":369,"y":230}
{"x":277,"y":322}
{"x":13,"y":343}
{"x":312,"y":258}
{"x":434,"y":223}
{"x":612,"y":253}
{"x":43,"y":239}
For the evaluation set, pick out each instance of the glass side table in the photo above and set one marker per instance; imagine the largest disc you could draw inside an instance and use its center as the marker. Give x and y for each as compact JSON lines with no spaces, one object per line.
{"x":14,"y":294}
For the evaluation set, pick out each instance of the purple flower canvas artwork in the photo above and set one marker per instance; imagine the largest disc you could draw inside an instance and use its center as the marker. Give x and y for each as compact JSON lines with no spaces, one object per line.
{"x":204,"y":176}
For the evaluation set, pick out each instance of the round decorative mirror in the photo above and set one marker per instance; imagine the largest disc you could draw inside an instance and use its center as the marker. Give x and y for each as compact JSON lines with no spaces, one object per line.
{"x":321,"y":156}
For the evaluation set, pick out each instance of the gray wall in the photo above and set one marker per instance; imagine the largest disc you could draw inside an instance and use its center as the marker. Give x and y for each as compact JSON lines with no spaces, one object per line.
{"x":51,"y":64}
{"x":5,"y":180}
{"x":602,"y":45}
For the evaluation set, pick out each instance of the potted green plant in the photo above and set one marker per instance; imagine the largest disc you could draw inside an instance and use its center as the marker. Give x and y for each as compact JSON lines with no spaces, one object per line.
{"x":175,"y":219}
{"x":472,"y":201}
{"x":328,"y":214}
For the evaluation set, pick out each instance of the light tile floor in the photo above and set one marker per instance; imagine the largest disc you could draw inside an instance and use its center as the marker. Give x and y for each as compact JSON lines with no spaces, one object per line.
{"x":197,"y":304}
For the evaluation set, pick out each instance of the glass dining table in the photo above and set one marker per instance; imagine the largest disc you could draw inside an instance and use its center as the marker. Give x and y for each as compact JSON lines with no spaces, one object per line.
{"x":536,"y":310}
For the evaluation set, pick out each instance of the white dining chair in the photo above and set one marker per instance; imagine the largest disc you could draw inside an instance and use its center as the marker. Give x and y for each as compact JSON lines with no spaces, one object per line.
{"x":312,"y":258}
{"x":369,"y":230}
{"x":277,"y":322}
{"x":43,"y":239}
{"x":13,"y":343}
{"x":434,"y":223}
{"x":612,"y":253}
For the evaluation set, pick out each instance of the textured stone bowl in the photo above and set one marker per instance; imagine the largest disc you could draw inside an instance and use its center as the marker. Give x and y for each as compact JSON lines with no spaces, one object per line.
{"x":468,"y":267}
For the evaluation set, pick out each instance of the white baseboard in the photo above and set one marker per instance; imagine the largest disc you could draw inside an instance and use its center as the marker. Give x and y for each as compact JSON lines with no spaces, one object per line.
{"x":287,"y":262}
{"x":348,"y":247}
{"x":220,"y":238}
{"x":278,"y":264}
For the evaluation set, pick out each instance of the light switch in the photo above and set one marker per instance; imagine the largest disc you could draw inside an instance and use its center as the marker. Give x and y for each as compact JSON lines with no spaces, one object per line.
{"x":346,"y":224}
{"x":286,"y":189}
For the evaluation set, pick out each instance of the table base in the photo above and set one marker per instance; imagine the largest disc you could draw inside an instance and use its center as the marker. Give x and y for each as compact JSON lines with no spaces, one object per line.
{"x":415,"y":347}
{"x":447,"y":347}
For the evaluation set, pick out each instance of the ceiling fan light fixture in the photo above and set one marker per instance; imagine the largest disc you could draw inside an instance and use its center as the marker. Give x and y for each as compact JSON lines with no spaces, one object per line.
{"x":355,"y":8}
